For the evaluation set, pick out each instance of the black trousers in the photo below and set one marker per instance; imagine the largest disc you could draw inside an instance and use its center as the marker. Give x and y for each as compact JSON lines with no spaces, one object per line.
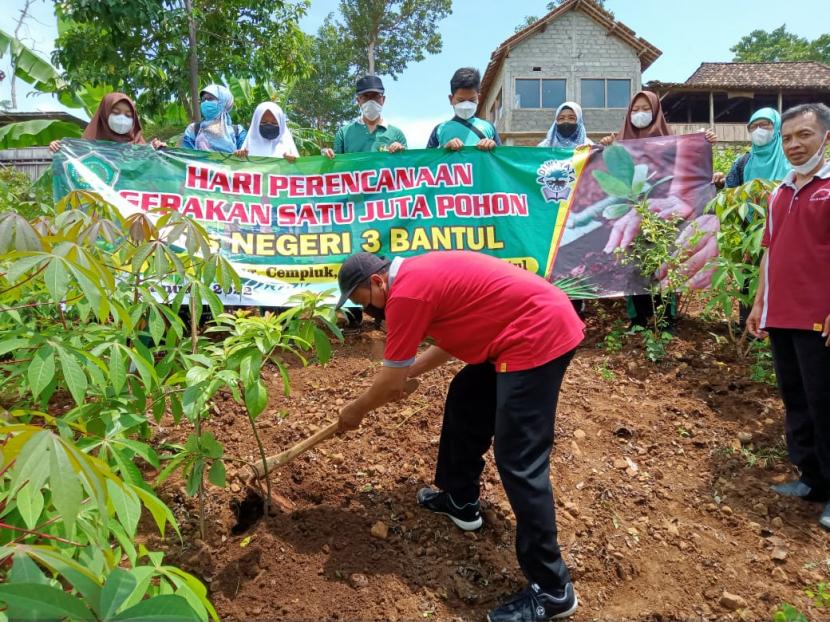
{"x":802,"y":366}
{"x":516,"y":412}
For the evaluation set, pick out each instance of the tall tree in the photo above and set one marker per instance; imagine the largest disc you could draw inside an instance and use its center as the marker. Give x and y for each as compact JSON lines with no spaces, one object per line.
{"x":387,"y":35}
{"x":325,"y":99}
{"x":24,"y":15}
{"x":145,"y":47}
{"x":780,"y":45}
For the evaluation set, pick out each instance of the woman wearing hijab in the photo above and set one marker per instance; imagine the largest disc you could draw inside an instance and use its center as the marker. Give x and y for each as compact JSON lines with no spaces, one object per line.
{"x":216,"y":131}
{"x":269,"y":135}
{"x":115,"y":120}
{"x":568,"y":129}
{"x":645,"y":119}
{"x":766,"y":159}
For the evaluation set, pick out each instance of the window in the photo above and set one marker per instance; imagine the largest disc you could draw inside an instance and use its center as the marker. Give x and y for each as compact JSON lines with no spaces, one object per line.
{"x":553,"y":93}
{"x":606,"y":93}
{"x":593,"y":93}
{"x":539,"y":93}
{"x":527,"y":94}
{"x":495,"y":109}
{"x":619,"y":93}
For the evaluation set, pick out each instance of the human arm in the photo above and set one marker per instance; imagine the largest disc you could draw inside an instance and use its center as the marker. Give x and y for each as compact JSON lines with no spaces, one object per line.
{"x":389,"y":385}
{"x":753,"y":322}
{"x":431,"y":358}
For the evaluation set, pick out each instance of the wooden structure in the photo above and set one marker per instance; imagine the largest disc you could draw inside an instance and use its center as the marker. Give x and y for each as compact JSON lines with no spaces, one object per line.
{"x":723,"y":96}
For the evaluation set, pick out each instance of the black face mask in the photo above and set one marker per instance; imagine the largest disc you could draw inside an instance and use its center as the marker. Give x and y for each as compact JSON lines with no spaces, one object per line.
{"x":566,"y":129}
{"x":269,"y":131}
{"x":374,"y":312}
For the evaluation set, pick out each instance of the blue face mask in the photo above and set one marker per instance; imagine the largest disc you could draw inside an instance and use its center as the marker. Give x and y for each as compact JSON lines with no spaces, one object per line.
{"x":210,"y":109}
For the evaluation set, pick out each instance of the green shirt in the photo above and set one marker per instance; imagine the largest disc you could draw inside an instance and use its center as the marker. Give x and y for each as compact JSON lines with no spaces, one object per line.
{"x":446,"y":131}
{"x":356,"y":138}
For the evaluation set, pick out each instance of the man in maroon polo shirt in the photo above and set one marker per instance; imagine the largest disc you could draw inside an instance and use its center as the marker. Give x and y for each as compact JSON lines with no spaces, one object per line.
{"x":517,"y":333}
{"x":793,"y":300}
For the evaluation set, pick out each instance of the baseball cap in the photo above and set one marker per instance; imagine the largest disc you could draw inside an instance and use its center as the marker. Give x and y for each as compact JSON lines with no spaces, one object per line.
{"x":355,"y":270}
{"x":368,"y":84}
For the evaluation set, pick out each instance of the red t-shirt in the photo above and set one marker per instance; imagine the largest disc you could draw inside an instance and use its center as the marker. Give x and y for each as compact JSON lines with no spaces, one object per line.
{"x":477,"y":308}
{"x":797,"y":238}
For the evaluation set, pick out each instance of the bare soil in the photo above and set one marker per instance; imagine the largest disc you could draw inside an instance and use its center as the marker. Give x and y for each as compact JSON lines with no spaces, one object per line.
{"x":661,"y":474}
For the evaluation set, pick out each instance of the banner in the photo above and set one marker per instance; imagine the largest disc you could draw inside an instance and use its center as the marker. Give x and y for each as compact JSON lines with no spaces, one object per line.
{"x":675,"y":173}
{"x":288,"y":226}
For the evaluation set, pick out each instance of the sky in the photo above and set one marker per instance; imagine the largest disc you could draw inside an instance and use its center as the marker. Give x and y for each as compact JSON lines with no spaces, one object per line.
{"x":687,"y":31}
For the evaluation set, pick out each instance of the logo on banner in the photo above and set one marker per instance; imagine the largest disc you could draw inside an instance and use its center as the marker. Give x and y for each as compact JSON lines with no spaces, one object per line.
{"x":90,"y":171}
{"x":556,"y":178}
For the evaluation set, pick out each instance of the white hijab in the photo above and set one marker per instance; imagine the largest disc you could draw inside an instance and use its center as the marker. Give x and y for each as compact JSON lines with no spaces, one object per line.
{"x":279,"y":147}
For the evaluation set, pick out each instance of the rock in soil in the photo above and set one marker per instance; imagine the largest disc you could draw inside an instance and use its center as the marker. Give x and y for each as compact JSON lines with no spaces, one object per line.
{"x":732,"y":602}
{"x":380,"y":530}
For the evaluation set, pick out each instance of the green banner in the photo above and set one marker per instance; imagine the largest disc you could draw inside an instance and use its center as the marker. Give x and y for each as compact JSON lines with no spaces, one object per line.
{"x":288,"y":226}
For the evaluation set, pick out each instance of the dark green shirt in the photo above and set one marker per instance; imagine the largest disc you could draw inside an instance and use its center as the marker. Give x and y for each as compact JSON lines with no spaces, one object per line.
{"x":356,"y":138}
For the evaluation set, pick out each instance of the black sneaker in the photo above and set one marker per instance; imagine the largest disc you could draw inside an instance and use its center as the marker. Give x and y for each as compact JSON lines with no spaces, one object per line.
{"x":466,"y":517}
{"x":534,"y":605}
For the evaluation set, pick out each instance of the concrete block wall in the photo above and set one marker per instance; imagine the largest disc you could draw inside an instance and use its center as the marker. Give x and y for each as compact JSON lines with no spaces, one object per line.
{"x":572,"y":48}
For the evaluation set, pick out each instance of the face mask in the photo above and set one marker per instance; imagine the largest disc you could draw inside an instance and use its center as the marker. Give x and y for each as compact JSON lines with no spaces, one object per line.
{"x":566,"y":129}
{"x":372,"y":311}
{"x":210,"y":109}
{"x":269,"y":131}
{"x":761,"y":136}
{"x":371,"y":110}
{"x":812,"y":163}
{"x":641,"y":119}
{"x":120,"y":123}
{"x":465,"y":110}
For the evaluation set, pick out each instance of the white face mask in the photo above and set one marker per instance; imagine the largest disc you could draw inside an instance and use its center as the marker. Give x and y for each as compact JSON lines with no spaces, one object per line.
{"x":120,"y":123}
{"x":371,"y":110}
{"x":813,"y":162}
{"x":641,"y":119}
{"x":761,"y":136}
{"x":465,"y":110}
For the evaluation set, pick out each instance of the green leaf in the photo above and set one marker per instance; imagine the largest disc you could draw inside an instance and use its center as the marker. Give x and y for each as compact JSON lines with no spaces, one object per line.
{"x":156,"y":325}
{"x":322,"y":345}
{"x":216,"y":475}
{"x":256,"y":398}
{"x":118,"y":369}
{"x":160,"y":512}
{"x":64,"y":484}
{"x":41,"y":370}
{"x":620,"y":163}
{"x":14,"y":344}
{"x":164,"y":608}
{"x":126,"y":504}
{"x":618,"y":210}
{"x":31,"y":601}
{"x":118,"y":587}
{"x":24,"y":570}
{"x":57,"y":279}
{"x":210,"y":446}
{"x":197,"y":474}
{"x":74,"y":376}
{"x":30,"y":505}
{"x":250,"y":367}
{"x":610,"y":185}
{"x":36,"y":133}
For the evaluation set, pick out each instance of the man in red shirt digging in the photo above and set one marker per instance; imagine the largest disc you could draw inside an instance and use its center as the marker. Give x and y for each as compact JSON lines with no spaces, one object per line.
{"x":793,"y":300}
{"x":517,"y":333}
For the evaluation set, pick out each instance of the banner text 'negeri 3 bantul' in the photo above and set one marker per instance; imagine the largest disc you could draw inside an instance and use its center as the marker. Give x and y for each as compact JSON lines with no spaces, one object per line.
{"x":290,"y":225}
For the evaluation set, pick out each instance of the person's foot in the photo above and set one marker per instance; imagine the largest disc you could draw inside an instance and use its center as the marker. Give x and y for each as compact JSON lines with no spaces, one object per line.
{"x":466,"y":517}
{"x":534,"y":605}
{"x":824,"y":519}
{"x":797,"y":488}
